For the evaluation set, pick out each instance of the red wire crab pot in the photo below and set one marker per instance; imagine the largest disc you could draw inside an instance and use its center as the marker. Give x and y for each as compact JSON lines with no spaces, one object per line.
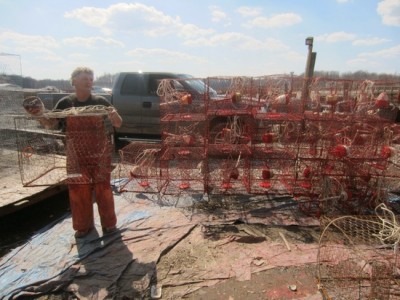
{"x":231,"y":95}
{"x":182,"y":97}
{"x":139,"y":168}
{"x":183,"y":170}
{"x":177,"y":132}
{"x":228,"y":175}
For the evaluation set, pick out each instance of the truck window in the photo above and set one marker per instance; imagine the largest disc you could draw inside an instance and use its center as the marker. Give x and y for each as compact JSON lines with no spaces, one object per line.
{"x":134,"y":84}
{"x":154,"y":82}
{"x":153,"y":85}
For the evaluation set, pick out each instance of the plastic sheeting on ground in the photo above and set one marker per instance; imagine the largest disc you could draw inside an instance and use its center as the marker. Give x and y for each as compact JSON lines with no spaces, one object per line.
{"x":120,"y":264}
{"x":154,"y":245}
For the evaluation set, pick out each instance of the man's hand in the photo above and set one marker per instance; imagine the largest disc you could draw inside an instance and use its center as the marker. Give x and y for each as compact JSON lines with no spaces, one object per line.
{"x":114,"y":117}
{"x":33,"y":106}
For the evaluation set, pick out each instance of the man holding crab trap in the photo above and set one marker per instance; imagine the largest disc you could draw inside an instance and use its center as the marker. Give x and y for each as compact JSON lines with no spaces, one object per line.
{"x":89,"y":148}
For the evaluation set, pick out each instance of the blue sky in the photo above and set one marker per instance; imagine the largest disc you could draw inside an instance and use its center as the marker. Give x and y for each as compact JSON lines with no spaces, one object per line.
{"x":199,"y":37}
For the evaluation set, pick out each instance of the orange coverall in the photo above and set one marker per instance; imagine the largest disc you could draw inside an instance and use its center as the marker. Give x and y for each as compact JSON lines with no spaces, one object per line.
{"x":89,"y":155}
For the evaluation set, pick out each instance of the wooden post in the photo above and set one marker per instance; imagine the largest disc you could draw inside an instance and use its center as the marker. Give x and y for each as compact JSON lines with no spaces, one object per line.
{"x":309,"y":71}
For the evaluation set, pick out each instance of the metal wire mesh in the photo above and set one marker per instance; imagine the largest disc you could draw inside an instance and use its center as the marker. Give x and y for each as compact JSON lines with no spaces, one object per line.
{"x":230,"y":136}
{"x":332,"y":144}
{"x":229,"y":175}
{"x":139,"y":169}
{"x":11,"y":98}
{"x":81,"y":155}
{"x":271,"y":176}
{"x":184,"y":133}
{"x":358,"y":257}
{"x":88,"y":149}
{"x":183,"y":170}
{"x":41,"y":153}
{"x":184,"y":97}
{"x":237,"y":94}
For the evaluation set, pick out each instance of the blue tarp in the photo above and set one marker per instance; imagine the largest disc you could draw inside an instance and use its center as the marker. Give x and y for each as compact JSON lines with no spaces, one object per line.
{"x":96,"y":266}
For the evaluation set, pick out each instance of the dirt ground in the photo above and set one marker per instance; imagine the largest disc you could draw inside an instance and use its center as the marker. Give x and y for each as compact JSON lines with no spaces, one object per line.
{"x":289,"y":282}
{"x":204,"y":250}
{"x":277,"y":283}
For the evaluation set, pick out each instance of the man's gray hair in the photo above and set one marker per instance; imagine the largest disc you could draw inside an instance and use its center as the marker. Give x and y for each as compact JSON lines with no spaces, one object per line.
{"x":80,"y":70}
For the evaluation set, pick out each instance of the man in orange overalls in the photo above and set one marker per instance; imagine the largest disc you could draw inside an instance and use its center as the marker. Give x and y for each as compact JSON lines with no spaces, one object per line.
{"x":89,"y":154}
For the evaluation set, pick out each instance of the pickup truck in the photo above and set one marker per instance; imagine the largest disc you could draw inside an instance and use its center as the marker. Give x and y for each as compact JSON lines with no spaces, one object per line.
{"x":134,"y":95}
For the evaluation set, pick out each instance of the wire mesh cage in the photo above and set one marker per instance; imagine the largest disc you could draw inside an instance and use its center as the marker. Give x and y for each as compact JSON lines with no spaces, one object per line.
{"x":184,"y":133}
{"x":82,"y":154}
{"x":324,"y":143}
{"x":89,"y":149}
{"x":358,"y":256}
{"x":281,"y":95}
{"x":139,"y":169}
{"x":376,"y":100}
{"x":228,"y":175}
{"x":327,"y":95}
{"x":232,"y":95}
{"x":41,"y":153}
{"x":277,"y":139}
{"x":183,"y":170}
{"x":231,"y":135}
{"x":182,"y":96}
{"x":11,"y":98}
{"x":271,"y":176}
{"x":332,"y":187}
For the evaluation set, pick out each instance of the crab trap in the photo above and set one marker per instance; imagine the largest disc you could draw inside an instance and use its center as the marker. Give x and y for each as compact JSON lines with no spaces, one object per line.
{"x":358,"y":256}
{"x":41,"y":152}
{"x":228,"y":175}
{"x":182,"y":98}
{"x":80,"y":155}
{"x":231,"y":95}
{"x":183,"y":170}
{"x":330,"y":144}
{"x":139,"y":169}
{"x":184,"y":133}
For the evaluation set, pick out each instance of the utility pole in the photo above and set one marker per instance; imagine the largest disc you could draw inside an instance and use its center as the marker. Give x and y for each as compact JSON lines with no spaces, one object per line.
{"x":309,"y":72}
{"x":311,"y":57}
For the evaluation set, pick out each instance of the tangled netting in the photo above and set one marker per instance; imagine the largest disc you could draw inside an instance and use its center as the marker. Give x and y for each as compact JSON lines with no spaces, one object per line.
{"x":358,"y":256}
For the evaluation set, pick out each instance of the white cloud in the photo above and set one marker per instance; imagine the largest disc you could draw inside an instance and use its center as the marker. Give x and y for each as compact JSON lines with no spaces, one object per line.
{"x":238,"y":40}
{"x":188,"y":31}
{"x":392,"y":52}
{"x":29,"y":41}
{"x":342,"y":1}
{"x":280,"y":20}
{"x":246,"y":11}
{"x":369,"y":41}
{"x":122,"y":17}
{"x":164,"y":54}
{"x":135,"y":18}
{"x":377,"y":59}
{"x":336,"y":37}
{"x":90,"y":42}
{"x":218,"y":15}
{"x":216,"y":40}
{"x":389,"y":10}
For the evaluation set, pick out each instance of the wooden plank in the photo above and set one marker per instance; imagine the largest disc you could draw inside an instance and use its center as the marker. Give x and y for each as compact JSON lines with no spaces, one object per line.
{"x":32,"y":196}
{"x":15,"y":196}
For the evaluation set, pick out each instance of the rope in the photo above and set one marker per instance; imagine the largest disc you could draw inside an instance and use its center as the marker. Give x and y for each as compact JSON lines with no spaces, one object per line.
{"x":79,"y":111}
{"x":168,"y":92}
{"x":147,"y":157}
{"x":390,"y":232}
